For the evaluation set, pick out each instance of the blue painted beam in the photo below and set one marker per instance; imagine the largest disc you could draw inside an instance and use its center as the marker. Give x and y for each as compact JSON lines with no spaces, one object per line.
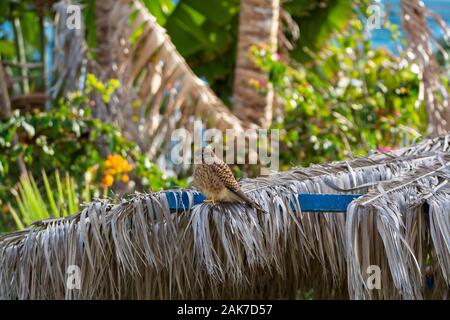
{"x":326,"y":202}
{"x":308,"y":202}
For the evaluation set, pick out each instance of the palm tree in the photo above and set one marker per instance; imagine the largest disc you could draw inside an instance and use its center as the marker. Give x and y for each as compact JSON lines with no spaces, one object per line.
{"x":258,"y":23}
{"x":154,"y":77}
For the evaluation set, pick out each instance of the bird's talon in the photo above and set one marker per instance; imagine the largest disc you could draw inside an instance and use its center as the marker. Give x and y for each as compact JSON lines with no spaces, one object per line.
{"x":209,"y":201}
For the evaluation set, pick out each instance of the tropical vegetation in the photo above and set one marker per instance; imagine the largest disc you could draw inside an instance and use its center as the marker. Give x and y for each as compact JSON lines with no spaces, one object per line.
{"x":87,"y":113}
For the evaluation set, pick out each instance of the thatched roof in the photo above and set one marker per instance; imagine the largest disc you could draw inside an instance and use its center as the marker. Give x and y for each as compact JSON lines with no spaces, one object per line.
{"x":140,"y":249}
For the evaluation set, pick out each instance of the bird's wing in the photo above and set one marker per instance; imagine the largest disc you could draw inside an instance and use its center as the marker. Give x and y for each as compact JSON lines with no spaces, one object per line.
{"x":225,"y":174}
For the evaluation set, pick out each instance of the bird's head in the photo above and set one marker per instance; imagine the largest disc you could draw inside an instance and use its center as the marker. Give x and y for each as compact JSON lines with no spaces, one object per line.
{"x":204,"y":155}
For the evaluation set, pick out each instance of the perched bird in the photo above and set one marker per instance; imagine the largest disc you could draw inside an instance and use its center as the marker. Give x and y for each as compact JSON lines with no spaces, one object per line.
{"x":215,"y":180}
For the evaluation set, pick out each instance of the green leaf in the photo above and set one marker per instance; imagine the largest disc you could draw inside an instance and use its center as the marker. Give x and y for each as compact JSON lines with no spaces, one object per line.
{"x":50,"y":196}
{"x":70,"y":201}
{"x":161,"y":9}
{"x":219,"y":11}
{"x":16,"y":218}
{"x":317,"y":23}
{"x":7,"y":48}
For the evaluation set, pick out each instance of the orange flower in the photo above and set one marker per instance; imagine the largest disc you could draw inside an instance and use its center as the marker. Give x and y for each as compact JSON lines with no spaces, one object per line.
{"x":111,"y":171}
{"x":108,"y":180}
{"x":115,"y":166}
{"x":108,"y":163}
{"x":5,"y":209}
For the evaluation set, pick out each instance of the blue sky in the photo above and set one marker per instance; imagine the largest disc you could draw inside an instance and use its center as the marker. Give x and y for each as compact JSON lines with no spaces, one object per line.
{"x":381,"y":37}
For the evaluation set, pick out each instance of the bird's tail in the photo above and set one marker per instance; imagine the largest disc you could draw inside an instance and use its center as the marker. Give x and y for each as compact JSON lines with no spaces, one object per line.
{"x":243,"y":197}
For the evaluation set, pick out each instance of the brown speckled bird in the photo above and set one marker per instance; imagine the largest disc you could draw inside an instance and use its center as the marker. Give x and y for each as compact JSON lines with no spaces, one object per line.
{"x":215,"y":180}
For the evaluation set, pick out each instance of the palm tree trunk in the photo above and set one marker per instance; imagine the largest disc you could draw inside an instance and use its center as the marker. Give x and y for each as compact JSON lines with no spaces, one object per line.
{"x":104,"y":29}
{"x":112,"y":49}
{"x":258,"y":23}
{"x":112,"y":45}
{"x":5,"y":104}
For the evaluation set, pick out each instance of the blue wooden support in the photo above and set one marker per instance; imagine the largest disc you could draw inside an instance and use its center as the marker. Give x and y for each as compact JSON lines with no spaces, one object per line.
{"x":326,"y":202}
{"x":308,"y":202}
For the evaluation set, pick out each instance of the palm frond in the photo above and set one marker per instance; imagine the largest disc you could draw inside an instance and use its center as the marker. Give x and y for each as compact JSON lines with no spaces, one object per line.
{"x":415,"y":16}
{"x":159,"y":91}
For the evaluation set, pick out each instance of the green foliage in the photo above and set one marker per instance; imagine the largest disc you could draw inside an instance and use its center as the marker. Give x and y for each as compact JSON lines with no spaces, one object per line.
{"x":351,"y":100}
{"x":70,"y":139}
{"x":152,"y":178}
{"x":104,"y":89}
{"x":206,"y":32}
{"x":317,"y":20}
{"x":59,"y":201}
{"x":65,"y":137}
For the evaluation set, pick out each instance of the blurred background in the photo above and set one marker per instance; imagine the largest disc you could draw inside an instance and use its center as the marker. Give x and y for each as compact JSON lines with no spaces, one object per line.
{"x":90,"y":91}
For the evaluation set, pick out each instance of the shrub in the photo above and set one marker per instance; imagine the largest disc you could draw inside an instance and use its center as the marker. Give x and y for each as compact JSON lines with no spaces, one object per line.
{"x":68,"y":139}
{"x":352,"y":99}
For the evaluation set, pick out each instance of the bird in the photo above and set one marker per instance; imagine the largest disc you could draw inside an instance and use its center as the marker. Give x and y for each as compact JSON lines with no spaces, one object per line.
{"x":216,"y":181}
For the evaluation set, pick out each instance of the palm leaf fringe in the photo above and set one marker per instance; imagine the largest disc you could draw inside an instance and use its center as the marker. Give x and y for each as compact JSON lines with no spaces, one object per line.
{"x":391,"y":228}
{"x":138,"y":249}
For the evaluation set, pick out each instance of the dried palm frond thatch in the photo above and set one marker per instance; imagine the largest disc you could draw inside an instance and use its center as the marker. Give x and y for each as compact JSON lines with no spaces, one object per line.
{"x":392,"y":227}
{"x":140,"y":249}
